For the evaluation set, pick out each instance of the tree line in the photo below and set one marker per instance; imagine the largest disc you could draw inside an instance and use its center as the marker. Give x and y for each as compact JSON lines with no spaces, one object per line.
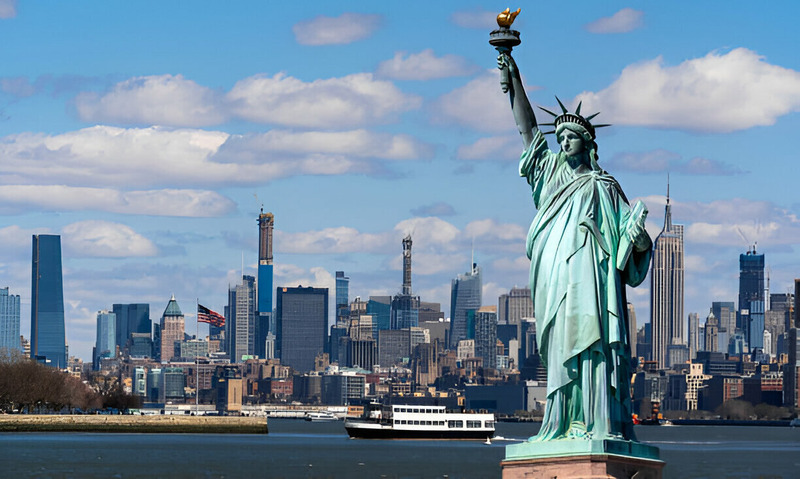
{"x":27,"y":386}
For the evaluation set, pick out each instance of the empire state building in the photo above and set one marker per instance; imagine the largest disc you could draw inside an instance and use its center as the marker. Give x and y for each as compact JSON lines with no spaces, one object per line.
{"x":666,"y":290}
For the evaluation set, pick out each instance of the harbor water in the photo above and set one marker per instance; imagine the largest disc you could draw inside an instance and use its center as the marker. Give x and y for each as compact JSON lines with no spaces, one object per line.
{"x":300,"y":449}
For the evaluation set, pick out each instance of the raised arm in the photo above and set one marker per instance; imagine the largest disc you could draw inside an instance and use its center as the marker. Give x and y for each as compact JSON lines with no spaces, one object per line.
{"x":511,"y":83}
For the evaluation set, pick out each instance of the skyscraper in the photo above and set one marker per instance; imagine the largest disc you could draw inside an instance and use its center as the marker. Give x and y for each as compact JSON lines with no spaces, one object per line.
{"x":131,"y":318}
{"x":171,"y":330}
{"x":9,"y":321}
{"x":751,"y":298}
{"x":240,"y":320}
{"x":514,"y":306}
{"x":465,"y":296}
{"x":265,"y":323}
{"x":342,"y":297}
{"x":666,"y":290}
{"x":48,"y":335}
{"x":105,"y":342}
{"x":486,"y":335}
{"x":694,"y":335}
{"x":302,"y":319}
{"x":405,"y":306}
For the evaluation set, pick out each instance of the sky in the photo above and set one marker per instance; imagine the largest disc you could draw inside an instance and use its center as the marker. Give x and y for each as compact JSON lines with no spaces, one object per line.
{"x":150,"y":134}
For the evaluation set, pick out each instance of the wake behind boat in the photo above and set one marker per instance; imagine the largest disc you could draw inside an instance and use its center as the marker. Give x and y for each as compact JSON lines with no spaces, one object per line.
{"x":420,"y":422}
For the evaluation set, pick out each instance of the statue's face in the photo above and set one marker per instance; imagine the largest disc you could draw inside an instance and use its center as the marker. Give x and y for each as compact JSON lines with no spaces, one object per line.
{"x":571,"y":143}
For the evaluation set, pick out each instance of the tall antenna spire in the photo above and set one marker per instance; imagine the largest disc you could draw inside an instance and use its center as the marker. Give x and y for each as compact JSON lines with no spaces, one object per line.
{"x":472,"y":260}
{"x":668,"y":212}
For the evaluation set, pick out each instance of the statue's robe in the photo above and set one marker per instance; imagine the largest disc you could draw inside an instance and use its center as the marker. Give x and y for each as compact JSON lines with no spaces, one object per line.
{"x":581,"y":247}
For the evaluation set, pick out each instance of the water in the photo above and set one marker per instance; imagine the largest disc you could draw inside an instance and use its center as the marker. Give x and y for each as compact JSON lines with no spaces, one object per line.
{"x":300,"y":449}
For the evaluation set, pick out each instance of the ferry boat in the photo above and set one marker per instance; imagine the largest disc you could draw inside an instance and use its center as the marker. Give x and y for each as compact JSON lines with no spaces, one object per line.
{"x":321,"y":416}
{"x":400,"y":421}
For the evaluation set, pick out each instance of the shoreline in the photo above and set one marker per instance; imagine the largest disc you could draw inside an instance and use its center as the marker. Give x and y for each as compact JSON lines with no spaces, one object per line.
{"x":170,"y":424}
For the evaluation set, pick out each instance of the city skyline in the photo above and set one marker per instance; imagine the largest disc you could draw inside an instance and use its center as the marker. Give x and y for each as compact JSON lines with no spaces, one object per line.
{"x":358,"y":124}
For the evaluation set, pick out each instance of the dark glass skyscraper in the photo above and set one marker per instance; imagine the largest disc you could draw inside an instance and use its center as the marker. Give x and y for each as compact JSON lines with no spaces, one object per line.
{"x":302,"y":326}
{"x":9,"y":320}
{"x":130,"y":318}
{"x":48,"y":337}
{"x":751,"y":298}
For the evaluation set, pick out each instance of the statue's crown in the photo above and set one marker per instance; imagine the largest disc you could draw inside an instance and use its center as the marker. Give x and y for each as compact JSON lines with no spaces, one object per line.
{"x":567,"y":117}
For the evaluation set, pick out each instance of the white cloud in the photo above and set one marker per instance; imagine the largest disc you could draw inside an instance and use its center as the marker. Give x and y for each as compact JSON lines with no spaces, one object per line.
{"x":623,"y":21}
{"x":476,"y":18}
{"x":346,"y":28}
{"x":8,"y":8}
{"x":493,"y":148}
{"x":169,"y":202}
{"x":103,"y":239}
{"x":424,"y":65}
{"x":480,"y":105}
{"x":428,"y":231}
{"x":162,"y":100}
{"x":108,"y":156}
{"x":335,"y":103}
{"x":490,"y":230}
{"x":291,"y":276}
{"x":330,"y":240}
{"x":736,"y":222}
{"x":721,"y":92}
{"x":353,"y":143}
{"x":664,"y":161}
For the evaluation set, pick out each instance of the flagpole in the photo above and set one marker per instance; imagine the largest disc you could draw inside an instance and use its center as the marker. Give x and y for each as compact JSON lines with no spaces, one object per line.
{"x":196,"y":361}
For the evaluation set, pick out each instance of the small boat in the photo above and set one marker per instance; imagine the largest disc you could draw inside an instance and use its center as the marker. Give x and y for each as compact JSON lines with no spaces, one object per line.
{"x":400,"y":421}
{"x":321,"y":416}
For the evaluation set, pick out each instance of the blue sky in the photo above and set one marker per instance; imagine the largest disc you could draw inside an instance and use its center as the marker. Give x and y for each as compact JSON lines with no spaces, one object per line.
{"x":149,"y":134}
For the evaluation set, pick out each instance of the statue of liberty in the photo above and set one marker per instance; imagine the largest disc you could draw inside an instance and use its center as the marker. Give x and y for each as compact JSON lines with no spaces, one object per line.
{"x":585,"y":244}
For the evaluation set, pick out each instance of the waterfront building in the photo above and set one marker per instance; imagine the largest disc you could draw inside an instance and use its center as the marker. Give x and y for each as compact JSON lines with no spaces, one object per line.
{"x":228,"y":388}
{"x":302,"y":318}
{"x":104,"y":346}
{"x":342,"y":389}
{"x":750,"y":319}
{"x":514,"y":305}
{"x":486,"y":335}
{"x":264,"y":321}
{"x":791,"y":370}
{"x":465,"y":297}
{"x":173,"y":383}
{"x":240,"y":319}
{"x":9,"y":321}
{"x":666,"y":290}
{"x":154,"y":385}
{"x":171,"y":330}
{"x":130,"y":318}
{"x":48,"y":335}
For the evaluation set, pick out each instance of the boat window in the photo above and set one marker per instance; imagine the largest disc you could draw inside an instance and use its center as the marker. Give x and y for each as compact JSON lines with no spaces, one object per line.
{"x":455,"y":424}
{"x":473,"y":424}
{"x":490,"y":424}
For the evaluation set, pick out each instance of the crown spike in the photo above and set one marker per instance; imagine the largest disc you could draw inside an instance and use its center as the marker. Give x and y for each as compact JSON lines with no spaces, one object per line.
{"x":601,"y":126}
{"x":563,"y":108}
{"x":589,"y":118}
{"x":548,"y":132}
{"x":548,"y":111}
{"x":578,"y":110}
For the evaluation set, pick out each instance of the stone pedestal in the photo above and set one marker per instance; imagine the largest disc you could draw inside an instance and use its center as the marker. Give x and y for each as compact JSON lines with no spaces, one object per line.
{"x":582,"y":459}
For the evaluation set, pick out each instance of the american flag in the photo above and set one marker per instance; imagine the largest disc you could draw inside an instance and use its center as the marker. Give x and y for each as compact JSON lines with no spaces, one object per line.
{"x":205,"y":315}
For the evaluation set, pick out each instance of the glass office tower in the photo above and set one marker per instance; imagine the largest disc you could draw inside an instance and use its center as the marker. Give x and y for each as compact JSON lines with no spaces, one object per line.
{"x":48,"y":337}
